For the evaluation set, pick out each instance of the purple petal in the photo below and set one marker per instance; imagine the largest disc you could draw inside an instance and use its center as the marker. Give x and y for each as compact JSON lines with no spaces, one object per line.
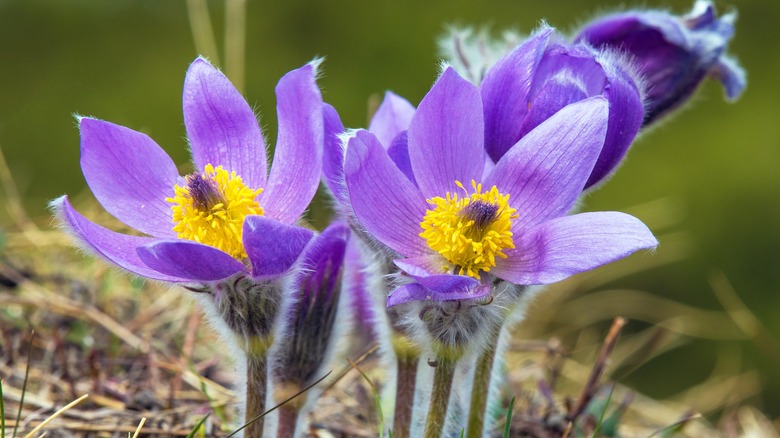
{"x":383,"y":200}
{"x":333,"y":153}
{"x":731,"y":75}
{"x":446,"y":136}
{"x":295,"y":173}
{"x":547,"y":169}
{"x":130,"y":175}
{"x":505,"y":93}
{"x":190,"y":260}
{"x":393,"y":116}
{"x":115,"y":247}
{"x":322,"y":262}
{"x":357,"y":282}
{"x":399,"y":153}
{"x":554,"y":94}
{"x":418,"y":292}
{"x":626,"y":112}
{"x":273,"y":246}
{"x":221,"y":127}
{"x":426,"y":270}
{"x":565,"y":246}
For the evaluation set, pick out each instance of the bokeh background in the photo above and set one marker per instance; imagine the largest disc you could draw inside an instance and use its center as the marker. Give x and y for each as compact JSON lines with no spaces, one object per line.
{"x":711,"y":172}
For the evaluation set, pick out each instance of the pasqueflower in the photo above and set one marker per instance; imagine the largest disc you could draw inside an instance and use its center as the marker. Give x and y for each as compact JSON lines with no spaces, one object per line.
{"x":462,"y":223}
{"x":230,"y":215}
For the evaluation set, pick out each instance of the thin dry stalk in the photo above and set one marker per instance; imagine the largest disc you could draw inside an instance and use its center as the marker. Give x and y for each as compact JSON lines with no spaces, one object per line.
{"x":598,"y":369}
{"x":55,"y":415}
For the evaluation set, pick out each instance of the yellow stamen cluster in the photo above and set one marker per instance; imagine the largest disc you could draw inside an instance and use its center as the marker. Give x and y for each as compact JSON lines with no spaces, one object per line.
{"x":470,"y":231}
{"x":212,"y":207}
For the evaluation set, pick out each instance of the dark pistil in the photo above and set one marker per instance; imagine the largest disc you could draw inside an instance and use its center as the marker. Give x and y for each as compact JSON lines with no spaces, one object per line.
{"x":204,"y":191}
{"x":482,"y":213}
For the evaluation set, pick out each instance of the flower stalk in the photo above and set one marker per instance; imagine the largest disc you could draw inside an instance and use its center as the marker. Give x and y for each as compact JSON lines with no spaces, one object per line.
{"x":407,"y":359}
{"x":256,"y":388}
{"x":480,"y":389}
{"x":289,"y":412}
{"x":440,"y":394}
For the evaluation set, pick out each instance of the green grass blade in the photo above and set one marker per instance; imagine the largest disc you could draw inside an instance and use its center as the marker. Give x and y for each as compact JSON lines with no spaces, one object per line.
{"x":2,"y":411}
{"x":377,"y":401}
{"x":597,"y":429}
{"x":676,"y":427}
{"x":198,"y":426}
{"x":24,"y":384}
{"x":219,"y":411}
{"x":509,"y":412}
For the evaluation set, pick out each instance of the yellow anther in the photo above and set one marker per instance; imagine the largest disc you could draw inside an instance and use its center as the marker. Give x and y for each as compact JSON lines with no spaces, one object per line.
{"x":470,"y":231}
{"x":211,"y":209}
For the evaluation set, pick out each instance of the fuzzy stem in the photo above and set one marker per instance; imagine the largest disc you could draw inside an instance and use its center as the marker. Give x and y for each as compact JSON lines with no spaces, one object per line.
{"x":440,"y":396}
{"x":288,"y":420}
{"x":404,"y":395}
{"x":481,"y":389}
{"x":256,"y":384}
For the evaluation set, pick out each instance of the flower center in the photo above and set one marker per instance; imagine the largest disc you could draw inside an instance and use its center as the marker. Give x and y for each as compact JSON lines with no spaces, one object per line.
{"x":470,"y":231}
{"x":211,"y":208}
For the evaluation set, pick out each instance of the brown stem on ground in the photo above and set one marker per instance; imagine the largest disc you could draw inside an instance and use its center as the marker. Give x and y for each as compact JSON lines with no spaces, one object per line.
{"x":591,"y":386}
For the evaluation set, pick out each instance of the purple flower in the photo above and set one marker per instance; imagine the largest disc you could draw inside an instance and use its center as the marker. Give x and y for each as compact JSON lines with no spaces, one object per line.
{"x":673,"y":54}
{"x":544,"y":74}
{"x":464,"y":223}
{"x":231,"y":215}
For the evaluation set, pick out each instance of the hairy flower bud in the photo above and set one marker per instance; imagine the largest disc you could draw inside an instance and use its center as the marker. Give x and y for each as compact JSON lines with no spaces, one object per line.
{"x":673,"y":53}
{"x":311,"y":323}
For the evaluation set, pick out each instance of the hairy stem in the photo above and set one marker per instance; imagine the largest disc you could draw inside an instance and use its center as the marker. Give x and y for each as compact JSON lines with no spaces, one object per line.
{"x":256,"y":385}
{"x":440,"y":396}
{"x":404,"y":395}
{"x":288,"y":420}
{"x":481,"y":389}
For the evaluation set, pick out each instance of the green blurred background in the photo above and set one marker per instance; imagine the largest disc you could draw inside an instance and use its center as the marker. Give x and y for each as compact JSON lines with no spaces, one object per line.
{"x":715,"y":163}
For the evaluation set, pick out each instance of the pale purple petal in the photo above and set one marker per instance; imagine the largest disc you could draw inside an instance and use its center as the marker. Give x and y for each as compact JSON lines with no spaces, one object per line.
{"x":115,"y":247}
{"x":333,"y":153}
{"x":446,"y":136}
{"x":273,"y":246}
{"x":399,"y":153}
{"x":190,"y":260}
{"x":393,"y":116}
{"x":565,"y":246}
{"x":547,"y":169}
{"x":426,"y":270}
{"x":221,"y":127}
{"x":295,"y":173}
{"x":406,"y":293}
{"x":418,"y":292}
{"x":130,"y":175}
{"x":505,"y":93}
{"x":731,"y":75}
{"x":383,"y":200}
